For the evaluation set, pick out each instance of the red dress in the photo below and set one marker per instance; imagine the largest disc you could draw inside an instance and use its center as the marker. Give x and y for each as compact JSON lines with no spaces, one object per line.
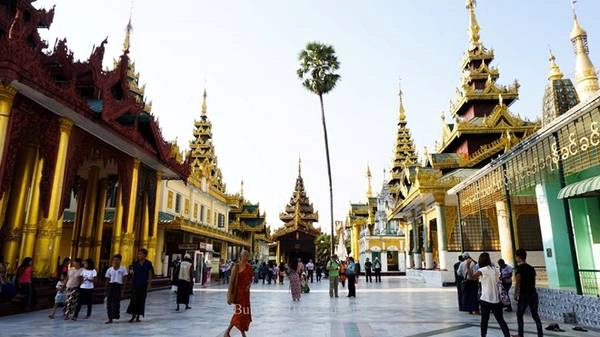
{"x":241,"y":313}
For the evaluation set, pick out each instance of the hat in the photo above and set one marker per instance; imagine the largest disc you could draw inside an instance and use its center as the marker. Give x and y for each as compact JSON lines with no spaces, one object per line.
{"x":466,"y":255}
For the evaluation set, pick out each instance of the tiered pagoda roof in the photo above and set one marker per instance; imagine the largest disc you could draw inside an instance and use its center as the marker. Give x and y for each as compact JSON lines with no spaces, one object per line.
{"x":299,"y":214}
{"x":96,"y":99}
{"x":483,"y":125}
{"x":559,"y":94}
{"x":245,"y":216}
{"x":202,"y":156}
{"x":404,"y":151}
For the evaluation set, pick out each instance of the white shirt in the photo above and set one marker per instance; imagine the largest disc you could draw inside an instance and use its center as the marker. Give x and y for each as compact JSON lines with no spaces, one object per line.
{"x":184,"y":271}
{"x":489,"y":284}
{"x":310,"y":266}
{"x":116,"y":276}
{"x":88,"y":278}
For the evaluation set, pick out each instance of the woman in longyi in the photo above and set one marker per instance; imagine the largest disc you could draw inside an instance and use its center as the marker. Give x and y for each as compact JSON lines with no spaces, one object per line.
{"x":238,"y":294}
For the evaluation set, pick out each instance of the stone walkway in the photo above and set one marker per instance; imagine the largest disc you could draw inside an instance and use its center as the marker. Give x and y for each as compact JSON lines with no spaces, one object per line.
{"x":393,"y":308}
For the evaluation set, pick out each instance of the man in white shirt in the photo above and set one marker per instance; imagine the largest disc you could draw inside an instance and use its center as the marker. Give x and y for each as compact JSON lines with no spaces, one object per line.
{"x":114,"y":288}
{"x":310,"y":267}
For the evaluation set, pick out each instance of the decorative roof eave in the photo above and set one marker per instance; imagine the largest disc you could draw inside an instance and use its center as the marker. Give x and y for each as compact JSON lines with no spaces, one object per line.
{"x":204,"y":230}
{"x":480,"y":53}
{"x":282,"y":231}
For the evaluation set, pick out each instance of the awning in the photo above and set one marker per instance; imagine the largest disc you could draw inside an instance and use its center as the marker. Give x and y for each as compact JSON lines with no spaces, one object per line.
{"x":586,"y":188}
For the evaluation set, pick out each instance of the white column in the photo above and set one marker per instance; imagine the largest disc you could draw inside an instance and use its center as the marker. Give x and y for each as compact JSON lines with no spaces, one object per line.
{"x":384,"y":266}
{"x":416,"y":251}
{"x":504,"y":224}
{"x":441,"y":236}
{"x":401,"y":261}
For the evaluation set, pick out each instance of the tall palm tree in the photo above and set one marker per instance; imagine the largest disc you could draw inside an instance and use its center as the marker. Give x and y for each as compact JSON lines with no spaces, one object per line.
{"x":318,"y":64}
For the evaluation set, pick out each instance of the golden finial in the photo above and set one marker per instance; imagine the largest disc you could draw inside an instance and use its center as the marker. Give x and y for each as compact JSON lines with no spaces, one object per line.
{"x":299,"y":166}
{"x":204,"y":102}
{"x":128,"y":30}
{"x":369,"y":189}
{"x":402,"y":114}
{"x":242,"y":188}
{"x":555,"y":73}
{"x":577,"y":30}
{"x":586,"y":78}
{"x":473,"y":25}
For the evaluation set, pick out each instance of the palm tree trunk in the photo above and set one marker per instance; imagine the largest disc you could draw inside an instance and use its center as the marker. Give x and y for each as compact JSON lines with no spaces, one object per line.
{"x":328,"y":172}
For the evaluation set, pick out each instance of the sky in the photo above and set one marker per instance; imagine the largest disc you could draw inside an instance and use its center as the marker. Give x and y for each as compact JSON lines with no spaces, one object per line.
{"x":263,"y":119}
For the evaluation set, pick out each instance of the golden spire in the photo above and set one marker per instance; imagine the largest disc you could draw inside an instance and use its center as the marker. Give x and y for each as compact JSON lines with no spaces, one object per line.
{"x":402,"y":112}
{"x":299,"y":166}
{"x":242,"y":189}
{"x":555,"y":73}
{"x":586,"y":79}
{"x":369,"y":188}
{"x":204,"y":102}
{"x":128,"y":30}
{"x":473,"y":25}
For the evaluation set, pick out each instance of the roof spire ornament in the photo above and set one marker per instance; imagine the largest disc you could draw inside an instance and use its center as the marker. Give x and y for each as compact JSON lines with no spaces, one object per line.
{"x":242,"y":189}
{"x":586,"y":78}
{"x":128,"y":31}
{"x":402,"y":112}
{"x":473,"y":25}
{"x":299,"y":166}
{"x":369,"y":188}
{"x":555,"y":73}
{"x":204,"y":102}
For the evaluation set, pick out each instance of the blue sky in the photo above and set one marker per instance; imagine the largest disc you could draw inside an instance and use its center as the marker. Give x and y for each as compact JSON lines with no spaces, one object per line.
{"x":263,"y":119}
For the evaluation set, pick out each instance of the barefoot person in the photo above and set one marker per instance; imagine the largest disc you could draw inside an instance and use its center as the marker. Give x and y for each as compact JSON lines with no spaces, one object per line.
{"x":141,"y":281}
{"x":238,"y":294}
{"x":114,"y":288}
{"x":185,"y":282}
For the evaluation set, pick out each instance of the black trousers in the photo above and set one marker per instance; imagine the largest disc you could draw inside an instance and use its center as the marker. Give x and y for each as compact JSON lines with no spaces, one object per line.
{"x":532,"y":302}
{"x":496,"y":309}
{"x":85,"y":297}
{"x":368,"y":275}
{"x":113,"y":300}
{"x":319,"y":277}
{"x":459,"y":290}
{"x":351,"y":285}
{"x":377,"y":275}
{"x":310,"y":275}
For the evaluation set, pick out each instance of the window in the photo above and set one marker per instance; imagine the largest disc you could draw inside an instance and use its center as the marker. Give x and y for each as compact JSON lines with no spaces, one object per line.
{"x":186,"y":208}
{"x":202,"y":211}
{"x":221,"y":220}
{"x":170,"y":200}
{"x":178,"y":203}
{"x":195,"y":211}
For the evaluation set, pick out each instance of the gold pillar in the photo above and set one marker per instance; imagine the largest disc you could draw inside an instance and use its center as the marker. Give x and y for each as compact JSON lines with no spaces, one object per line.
{"x":4,"y":206}
{"x":16,"y":209}
{"x":50,"y":229}
{"x":153,"y":248}
{"x":7,"y":96}
{"x":89,"y":210}
{"x":118,"y":223}
{"x":128,"y":239}
{"x":160,"y":242}
{"x":77,"y":223}
{"x":145,"y":223}
{"x":33,"y":211}
{"x":355,"y":236}
{"x":97,"y":238}
{"x":278,"y":253}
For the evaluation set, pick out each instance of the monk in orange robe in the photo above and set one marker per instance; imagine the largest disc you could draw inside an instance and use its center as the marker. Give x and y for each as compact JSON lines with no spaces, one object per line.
{"x":238,"y":294}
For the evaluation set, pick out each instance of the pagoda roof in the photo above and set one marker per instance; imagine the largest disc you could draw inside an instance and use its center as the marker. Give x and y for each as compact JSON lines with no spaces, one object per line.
{"x":98,"y":101}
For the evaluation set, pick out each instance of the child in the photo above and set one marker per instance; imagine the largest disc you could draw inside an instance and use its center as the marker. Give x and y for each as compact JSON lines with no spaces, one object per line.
{"x":114,"y":288}
{"x":61,"y":296}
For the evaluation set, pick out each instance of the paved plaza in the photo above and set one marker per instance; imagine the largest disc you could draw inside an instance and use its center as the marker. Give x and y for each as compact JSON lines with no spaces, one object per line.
{"x":393,"y":308}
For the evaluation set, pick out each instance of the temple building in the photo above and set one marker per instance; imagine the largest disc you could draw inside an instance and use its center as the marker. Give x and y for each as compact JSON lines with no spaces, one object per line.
{"x":74,"y":136}
{"x":372,"y":235}
{"x":296,"y":238}
{"x":558,"y":167}
{"x":194,"y":213}
{"x":482,"y":129}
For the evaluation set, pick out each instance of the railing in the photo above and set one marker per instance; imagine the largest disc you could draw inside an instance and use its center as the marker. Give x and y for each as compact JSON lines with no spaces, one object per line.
{"x":590,"y":282}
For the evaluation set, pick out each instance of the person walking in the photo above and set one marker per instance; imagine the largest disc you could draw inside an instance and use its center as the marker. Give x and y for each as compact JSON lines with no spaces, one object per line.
{"x":115,"y":276}
{"x":275,"y":273}
{"x":310,"y":268}
{"x":525,"y":293}
{"x":73,"y":283}
{"x":333,"y":270}
{"x":377,"y":269}
{"x":459,"y":280}
{"x":263,"y":272}
{"x":357,"y":270}
{"x":368,"y":275}
{"x":142,"y":272}
{"x":281,"y":272}
{"x":175,"y":273}
{"x":490,"y":296}
{"x":238,"y":294}
{"x":342,"y":275}
{"x":185,"y":283}
{"x":24,"y":283}
{"x":506,"y":274}
{"x":294,"y":277}
{"x":319,"y":271}
{"x":86,"y":288}
{"x":63,"y":268}
{"x":351,"y":273}
{"x":61,"y":295}
{"x":471,"y":285}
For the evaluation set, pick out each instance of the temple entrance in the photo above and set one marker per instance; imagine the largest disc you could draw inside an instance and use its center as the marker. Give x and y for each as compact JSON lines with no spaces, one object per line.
{"x":296,"y":245}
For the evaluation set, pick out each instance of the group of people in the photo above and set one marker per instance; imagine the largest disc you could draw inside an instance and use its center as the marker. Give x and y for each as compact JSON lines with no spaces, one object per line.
{"x":483,"y":288}
{"x":372,"y":268}
{"x":340,"y":272}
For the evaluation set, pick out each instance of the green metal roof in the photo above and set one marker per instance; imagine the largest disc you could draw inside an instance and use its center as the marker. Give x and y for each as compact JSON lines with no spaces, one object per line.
{"x":586,"y":188}
{"x":165,"y":217}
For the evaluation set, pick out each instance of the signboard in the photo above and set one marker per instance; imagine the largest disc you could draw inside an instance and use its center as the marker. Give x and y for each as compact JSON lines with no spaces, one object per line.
{"x":187,"y":246}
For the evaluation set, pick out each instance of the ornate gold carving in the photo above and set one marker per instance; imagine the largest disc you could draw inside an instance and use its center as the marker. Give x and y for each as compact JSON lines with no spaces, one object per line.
{"x":7,"y":93}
